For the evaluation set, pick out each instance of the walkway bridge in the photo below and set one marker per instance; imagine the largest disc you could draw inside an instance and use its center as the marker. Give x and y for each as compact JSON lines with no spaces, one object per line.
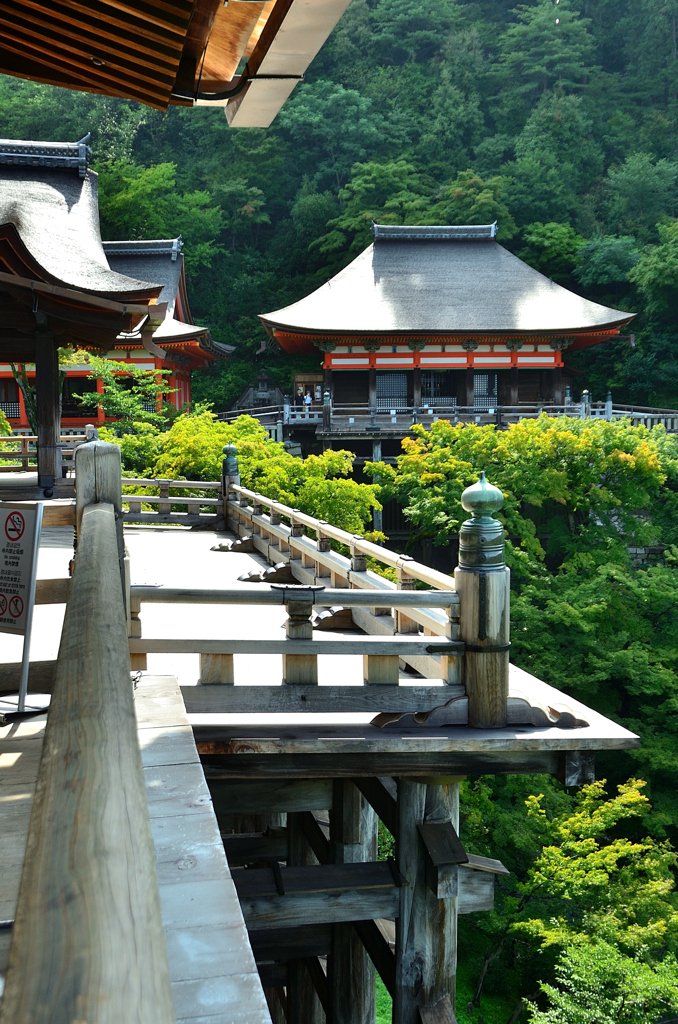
{"x":189,"y":833}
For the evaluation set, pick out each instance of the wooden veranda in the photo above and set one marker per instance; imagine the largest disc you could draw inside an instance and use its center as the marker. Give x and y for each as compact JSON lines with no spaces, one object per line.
{"x":191,"y":835}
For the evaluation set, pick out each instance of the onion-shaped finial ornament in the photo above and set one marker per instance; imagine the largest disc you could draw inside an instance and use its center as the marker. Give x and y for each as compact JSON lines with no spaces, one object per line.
{"x":230,"y":462}
{"x":481,"y":538}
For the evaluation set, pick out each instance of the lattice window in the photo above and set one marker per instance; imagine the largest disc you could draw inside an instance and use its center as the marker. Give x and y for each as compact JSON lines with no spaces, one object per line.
{"x":484,"y":390}
{"x":392,"y":391}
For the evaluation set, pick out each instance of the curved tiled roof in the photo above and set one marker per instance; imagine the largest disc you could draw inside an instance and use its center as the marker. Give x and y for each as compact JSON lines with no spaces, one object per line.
{"x":412,"y":283}
{"x":55,"y":214}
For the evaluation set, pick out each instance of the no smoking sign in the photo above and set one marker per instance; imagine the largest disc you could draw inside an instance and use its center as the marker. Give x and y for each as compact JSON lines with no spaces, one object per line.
{"x":15,"y":524}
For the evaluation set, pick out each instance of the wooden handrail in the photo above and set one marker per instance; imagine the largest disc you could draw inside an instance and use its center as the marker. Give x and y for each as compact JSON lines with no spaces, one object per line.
{"x":88,"y":941}
{"x":413,"y":569}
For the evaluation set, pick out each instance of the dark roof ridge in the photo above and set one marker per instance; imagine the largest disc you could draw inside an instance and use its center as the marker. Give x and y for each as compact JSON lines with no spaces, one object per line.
{"x":432,"y":232}
{"x":145,"y":247}
{"x":66,"y":155}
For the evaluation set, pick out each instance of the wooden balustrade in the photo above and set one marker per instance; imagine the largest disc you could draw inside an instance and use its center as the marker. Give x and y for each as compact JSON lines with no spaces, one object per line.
{"x":88,"y":941}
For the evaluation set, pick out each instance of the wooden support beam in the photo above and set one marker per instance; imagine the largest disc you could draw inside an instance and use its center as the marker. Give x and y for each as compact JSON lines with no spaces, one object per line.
{"x":229,"y":757}
{"x":257,"y":846}
{"x":274,"y":699}
{"x":292,"y":943}
{"x":316,"y":894}
{"x":377,"y":795}
{"x":303,"y":1002}
{"x":379,"y":952}
{"x":350,"y":972}
{"x":88,"y":942}
{"x":233,"y":796}
{"x":216,"y":669}
{"x":426,"y":947}
{"x":97,"y":470}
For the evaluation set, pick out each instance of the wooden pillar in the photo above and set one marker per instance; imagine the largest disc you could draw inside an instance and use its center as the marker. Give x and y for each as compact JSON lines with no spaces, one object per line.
{"x":350,"y":972}
{"x":482,"y":581}
{"x":558,"y":385}
{"x":416,"y":387}
{"x":426,"y":931}
{"x":327,"y":379}
{"x":470,"y":373}
{"x":513,"y":386}
{"x":303,"y":1003}
{"x":372,"y":387}
{"x":546,"y":386}
{"x":47,"y":401}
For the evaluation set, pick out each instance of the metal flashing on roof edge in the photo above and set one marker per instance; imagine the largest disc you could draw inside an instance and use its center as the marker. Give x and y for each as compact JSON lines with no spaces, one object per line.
{"x":146,"y":247}
{"x":47,"y":154}
{"x":459,"y":232}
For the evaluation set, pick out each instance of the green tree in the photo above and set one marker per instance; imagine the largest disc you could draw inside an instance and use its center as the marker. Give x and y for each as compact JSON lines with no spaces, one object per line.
{"x":553,"y":249}
{"x":470,"y":200}
{"x":333,"y":128}
{"x":656,"y":273}
{"x":596,"y":984}
{"x":127,"y":390}
{"x":143,"y":202}
{"x":639,"y":193}
{"x":319,"y":485}
{"x":549,"y":45}
{"x":606,"y":260}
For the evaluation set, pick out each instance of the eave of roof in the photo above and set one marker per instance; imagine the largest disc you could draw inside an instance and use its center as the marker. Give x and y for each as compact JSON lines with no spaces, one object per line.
{"x":170,"y":51}
{"x":446,"y":285}
{"x":49,"y":225}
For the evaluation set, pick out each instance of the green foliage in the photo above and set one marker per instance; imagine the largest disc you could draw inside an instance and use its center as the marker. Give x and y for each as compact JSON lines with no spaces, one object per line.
{"x":596,"y":984}
{"x":142,"y":202}
{"x":656,"y":273}
{"x":126,"y":390}
{"x":319,"y":485}
{"x":553,"y":249}
{"x":606,"y":260}
{"x":579,"y":496}
{"x":640,"y":192}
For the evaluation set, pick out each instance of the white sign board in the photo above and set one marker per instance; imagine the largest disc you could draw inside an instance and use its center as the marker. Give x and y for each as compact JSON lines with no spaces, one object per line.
{"x":19,"y":542}
{"x":17,"y":566}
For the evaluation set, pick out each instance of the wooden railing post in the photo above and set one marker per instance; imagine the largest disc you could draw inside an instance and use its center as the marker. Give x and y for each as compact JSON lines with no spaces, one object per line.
{"x":483,"y":583}
{"x":98,"y":478}
{"x":300,"y":668}
{"x":88,"y":941}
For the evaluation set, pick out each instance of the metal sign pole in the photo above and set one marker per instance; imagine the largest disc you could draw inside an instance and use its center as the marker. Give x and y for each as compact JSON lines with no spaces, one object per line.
{"x":23,"y":685}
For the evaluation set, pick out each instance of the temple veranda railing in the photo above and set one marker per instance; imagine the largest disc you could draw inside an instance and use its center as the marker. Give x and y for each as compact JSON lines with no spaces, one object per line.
{"x":455,"y":634}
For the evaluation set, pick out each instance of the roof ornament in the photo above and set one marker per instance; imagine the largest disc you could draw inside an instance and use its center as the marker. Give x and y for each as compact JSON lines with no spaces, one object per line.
{"x":481,"y":538}
{"x":64,"y":155}
{"x":434,"y":232}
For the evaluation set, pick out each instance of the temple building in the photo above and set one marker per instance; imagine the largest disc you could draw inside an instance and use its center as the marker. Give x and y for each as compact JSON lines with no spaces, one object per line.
{"x":50,"y":237}
{"x":441,"y":319}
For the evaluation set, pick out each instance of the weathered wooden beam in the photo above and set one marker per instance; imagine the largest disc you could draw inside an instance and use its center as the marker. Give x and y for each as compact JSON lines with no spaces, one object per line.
{"x":88,"y":943}
{"x":303,"y":1001}
{"x":291,"y":911}
{"x":40,"y":677}
{"x":379,"y":952}
{"x":235,"y":759}
{"x":323,"y":644}
{"x":350,"y":973}
{"x":52,"y":591}
{"x":252,"y":847}
{"x":290,"y":699}
{"x":426,"y":946}
{"x":47,"y":402}
{"x":376,"y":793}
{"x":237,"y":797}
{"x":292,"y":943}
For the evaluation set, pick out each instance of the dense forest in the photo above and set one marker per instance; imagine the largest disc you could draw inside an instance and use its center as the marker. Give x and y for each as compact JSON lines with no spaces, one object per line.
{"x":558,"y":119}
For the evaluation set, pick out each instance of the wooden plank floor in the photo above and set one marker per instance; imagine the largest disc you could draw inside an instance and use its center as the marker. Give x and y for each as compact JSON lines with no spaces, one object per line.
{"x":214,"y":977}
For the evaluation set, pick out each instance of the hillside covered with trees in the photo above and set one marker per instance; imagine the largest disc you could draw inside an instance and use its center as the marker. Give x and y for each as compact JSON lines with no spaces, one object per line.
{"x":556,"y":117}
